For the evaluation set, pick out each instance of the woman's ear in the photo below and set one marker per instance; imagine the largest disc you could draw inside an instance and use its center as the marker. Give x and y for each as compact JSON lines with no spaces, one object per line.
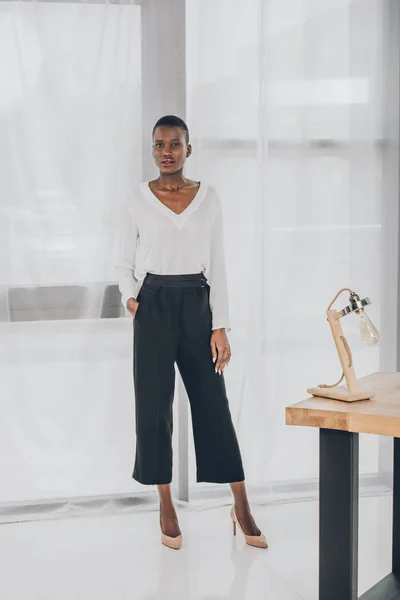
{"x":189,"y":151}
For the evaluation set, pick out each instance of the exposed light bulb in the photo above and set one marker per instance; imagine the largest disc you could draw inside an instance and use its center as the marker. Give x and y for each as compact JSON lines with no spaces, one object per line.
{"x":368,"y":331}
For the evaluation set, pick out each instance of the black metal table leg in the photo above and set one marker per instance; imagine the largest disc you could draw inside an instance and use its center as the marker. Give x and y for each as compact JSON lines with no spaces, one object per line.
{"x":389,"y":587}
{"x":396,"y":508}
{"x":338,"y":515}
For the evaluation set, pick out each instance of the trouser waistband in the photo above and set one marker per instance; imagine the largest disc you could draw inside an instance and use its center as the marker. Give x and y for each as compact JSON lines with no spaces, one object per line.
{"x":179,"y":280}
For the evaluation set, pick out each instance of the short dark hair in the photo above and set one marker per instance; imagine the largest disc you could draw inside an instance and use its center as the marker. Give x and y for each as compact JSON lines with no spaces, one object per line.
{"x":172,"y":121}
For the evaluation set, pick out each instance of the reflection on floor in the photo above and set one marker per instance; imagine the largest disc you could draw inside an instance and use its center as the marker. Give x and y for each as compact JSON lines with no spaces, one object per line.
{"x":120,"y":557}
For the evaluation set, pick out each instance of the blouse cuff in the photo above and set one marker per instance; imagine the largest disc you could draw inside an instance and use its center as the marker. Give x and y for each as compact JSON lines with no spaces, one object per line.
{"x":226,"y":327}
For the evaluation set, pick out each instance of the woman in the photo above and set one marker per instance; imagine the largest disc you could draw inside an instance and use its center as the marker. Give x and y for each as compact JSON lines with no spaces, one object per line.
{"x":173,"y":282}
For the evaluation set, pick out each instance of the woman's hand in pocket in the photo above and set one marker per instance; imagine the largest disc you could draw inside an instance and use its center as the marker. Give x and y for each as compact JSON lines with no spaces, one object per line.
{"x":132,"y":305}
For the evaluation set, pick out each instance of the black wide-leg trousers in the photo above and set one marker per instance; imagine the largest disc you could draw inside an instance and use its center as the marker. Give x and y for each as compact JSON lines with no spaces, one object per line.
{"x":172,"y":325}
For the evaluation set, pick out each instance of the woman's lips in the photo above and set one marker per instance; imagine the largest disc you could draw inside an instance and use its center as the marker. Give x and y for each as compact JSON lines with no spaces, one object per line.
{"x":167,"y":163}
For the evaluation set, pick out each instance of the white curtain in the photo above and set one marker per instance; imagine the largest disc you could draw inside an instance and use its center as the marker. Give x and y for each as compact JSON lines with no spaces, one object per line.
{"x":285,"y":110}
{"x":70,"y":147}
{"x":284,"y":105}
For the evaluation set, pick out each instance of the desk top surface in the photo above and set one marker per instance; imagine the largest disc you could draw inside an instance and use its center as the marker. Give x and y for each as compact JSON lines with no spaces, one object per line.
{"x":380,"y":415}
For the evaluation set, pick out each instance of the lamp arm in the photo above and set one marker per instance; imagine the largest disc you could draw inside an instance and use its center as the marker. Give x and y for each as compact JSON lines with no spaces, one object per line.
{"x":347,"y":348}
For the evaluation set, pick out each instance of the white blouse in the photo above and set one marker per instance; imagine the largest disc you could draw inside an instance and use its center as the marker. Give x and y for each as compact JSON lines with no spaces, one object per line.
{"x":154,"y":239}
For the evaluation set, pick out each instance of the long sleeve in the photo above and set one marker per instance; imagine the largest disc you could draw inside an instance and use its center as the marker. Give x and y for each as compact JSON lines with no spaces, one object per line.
{"x":217,"y":278}
{"x":128,"y":235}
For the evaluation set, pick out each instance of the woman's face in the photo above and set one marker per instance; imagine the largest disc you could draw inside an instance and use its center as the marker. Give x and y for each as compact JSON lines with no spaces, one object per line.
{"x":170,"y":149}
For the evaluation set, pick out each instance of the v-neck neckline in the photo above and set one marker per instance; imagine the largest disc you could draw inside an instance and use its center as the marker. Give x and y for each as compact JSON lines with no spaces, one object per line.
{"x":182,"y":217}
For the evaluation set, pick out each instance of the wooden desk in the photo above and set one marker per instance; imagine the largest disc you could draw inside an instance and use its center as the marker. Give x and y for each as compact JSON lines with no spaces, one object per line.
{"x":340,"y":424}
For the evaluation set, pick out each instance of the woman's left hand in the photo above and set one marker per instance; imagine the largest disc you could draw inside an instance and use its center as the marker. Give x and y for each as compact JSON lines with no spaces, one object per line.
{"x":220,"y":350}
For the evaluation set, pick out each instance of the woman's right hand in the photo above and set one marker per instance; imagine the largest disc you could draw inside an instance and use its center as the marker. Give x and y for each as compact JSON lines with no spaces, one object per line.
{"x":132,"y":306}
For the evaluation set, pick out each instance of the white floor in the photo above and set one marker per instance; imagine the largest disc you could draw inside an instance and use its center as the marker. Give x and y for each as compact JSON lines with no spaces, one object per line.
{"x":120,"y":557}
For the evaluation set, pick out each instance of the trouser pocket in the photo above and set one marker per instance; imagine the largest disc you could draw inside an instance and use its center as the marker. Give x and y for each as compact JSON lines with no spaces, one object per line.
{"x":139,"y":299}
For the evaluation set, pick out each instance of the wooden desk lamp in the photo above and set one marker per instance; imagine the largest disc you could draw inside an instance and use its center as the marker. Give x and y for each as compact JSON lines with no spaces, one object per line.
{"x":369,"y":334}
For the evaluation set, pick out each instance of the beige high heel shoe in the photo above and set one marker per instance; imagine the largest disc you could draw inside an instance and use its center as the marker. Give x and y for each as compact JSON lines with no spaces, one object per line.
{"x":253,"y":540}
{"x":172,"y":542}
